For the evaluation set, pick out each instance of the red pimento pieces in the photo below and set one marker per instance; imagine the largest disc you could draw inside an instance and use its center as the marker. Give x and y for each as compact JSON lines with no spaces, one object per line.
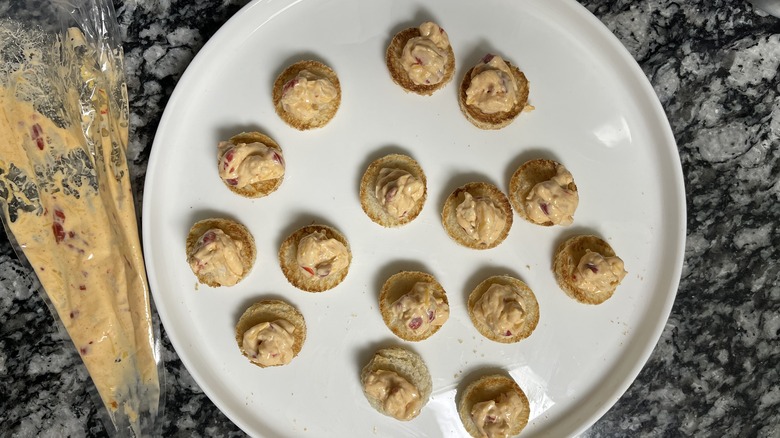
{"x":415,"y":323}
{"x":308,"y":269}
{"x":289,"y":85}
{"x":56,"y":226}
{"x":208,"y":237}
{"x":278,"y":158}
{"x":487,"y":58}
{"x":37,"y":135}
{"x":545,"y":208}
{"x":228,"y":157}
{"x":592,"y":267}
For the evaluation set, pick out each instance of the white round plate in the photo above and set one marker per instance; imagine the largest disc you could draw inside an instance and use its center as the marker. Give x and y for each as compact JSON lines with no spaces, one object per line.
{"x":595,"y":112}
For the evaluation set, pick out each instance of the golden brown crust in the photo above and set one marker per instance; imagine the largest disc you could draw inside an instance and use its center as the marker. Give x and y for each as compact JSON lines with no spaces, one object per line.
{"x":498,"y":120}
{"x":525,"y":178}
{"x":260,"y":188}
{"x":269,"y":311}
{"x":488,"y":388}
{"x":368,"y":199}
{"x":567,"y":257}
{"x":406,"y":364}
{"x":300,"y":278}
{"x":235,"y":231}
{"x":326,"y":113}
{"x":527,"y":300}
{"x":399,"y":75}
{"x":476,"y":189}
{"x":395,"y":287}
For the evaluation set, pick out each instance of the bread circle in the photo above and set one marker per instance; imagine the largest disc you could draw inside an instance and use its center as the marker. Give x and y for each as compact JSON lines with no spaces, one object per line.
{"x":406,"y":364}
{"x":395,"y":287}
{"x":325,"y":113}
{"x":476,"y":189}
{"x":500,"y":119}
{"x":399,"y":74}
{"x":488,"y":388}
{"x":295,"y":275}
{"x":525,"y":178}
{"x":370,"y":203}
{"x":258,"y":189}
{"x":527,"y":300}
{"x":232,"y":229}
{"x":566,"y":259}
{"x":270,"y":311}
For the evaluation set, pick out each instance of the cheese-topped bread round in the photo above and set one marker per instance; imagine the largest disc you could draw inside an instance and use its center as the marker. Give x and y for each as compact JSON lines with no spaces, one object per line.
{"x":503,"y":309}
{"x":420,"y":59}
{"x":393,"y":190}
{"x":587,"y":269}
{"x":477,"y":215}
{"x":271,"y":333}
{"x":493,"y":406}
{"x":220,"y":252}
{"x":413,"y":305}
{"x":397,"y":383}
{"x":250,"y":164}
{"x":307,"y":94}
{"x":543,"y":192}
{"x":315,"y":258}
{"x":493,"y":93}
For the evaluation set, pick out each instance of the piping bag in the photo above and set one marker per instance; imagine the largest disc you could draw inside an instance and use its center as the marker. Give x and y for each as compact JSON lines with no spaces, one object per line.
{"x":67,"y":201}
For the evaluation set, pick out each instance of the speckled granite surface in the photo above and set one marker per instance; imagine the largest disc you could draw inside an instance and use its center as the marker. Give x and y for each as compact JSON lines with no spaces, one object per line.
{"x":714,"y":372}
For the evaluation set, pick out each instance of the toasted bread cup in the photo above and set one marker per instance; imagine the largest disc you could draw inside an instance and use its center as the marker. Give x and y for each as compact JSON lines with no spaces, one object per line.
{"x":325,"y":113}
{"x":398,"y":285}
{"x":497,"y":120}
{"x":526,"y":298}
{"x":300,"y":278}
{"x":476,"y":189}
{"x":401,"y":77}
{"x":370,"y":203}
{"x":260,"y":188}
{"x":525,"y":178}
{"x":270,"y":311}
{"x":406,"y":364}
{"x":235,"y":231}
{"x":488,"y":388}
{"x":567,"y":257}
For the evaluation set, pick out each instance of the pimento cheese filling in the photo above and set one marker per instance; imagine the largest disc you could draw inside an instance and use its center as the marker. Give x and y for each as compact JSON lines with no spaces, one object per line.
{"x":420,"y":308}
{"x":320,"y":256}
{"x":494,"y":418}
{"x":493,"y":88}
{"x":270,"y":343}
{"x":424,"y":58}
{"x":596,"y":273}
{"x":500,"y":309}
{"x":552,"y":201}
{"x":304,"y":95}
{"x":480,"y":218}
{"x":400,"y":399}
{"x":398,"y":191}
{"x":218,"y":257}
{"x":244,"y":164}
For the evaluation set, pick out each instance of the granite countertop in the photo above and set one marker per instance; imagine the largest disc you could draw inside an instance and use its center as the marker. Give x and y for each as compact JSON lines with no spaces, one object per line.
{"x":714,"y":65}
